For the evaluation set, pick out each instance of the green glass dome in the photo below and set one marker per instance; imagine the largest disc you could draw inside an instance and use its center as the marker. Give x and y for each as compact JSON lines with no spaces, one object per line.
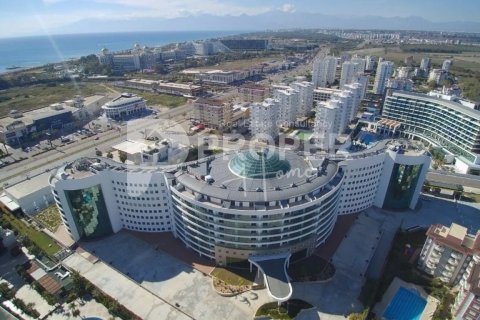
{"x":258,"y":165}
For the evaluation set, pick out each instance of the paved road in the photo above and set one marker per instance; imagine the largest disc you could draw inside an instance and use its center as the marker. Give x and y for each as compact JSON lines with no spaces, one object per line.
{"x":466,"y":180}
{"x":52,"y":159}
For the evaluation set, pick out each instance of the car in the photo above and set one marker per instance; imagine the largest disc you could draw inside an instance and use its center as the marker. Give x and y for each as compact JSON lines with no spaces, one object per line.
{"x":96,"y":138}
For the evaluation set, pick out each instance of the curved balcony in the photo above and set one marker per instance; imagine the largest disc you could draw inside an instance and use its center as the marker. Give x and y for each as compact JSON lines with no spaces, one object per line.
{"x":445,"y":279}
{"x":456,"y":255}
{"x":439,"y":248}
{"x":453,"y":262}
{"x":449,"y":268}
{"x":433,"y":260}
{"x":447,"y":274}
{"x":431,"y":265}
{"x":435,"y":254}
{"x":476,"y":258}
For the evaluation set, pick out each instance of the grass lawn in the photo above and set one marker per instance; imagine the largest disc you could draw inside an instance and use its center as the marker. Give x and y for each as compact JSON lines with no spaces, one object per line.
{"x":50,"y":218}
{"x":42,"y":95}
{"x":43,"y":241}
{"x":471,"y":197}
{"x":234,"y":276}
{"x":312,"y":268}
{"x":287,"y":310}
{"x":160,"y":99}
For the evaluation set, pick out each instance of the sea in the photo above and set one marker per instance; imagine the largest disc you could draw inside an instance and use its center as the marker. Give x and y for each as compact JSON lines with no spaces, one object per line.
{"x":40,"y":50}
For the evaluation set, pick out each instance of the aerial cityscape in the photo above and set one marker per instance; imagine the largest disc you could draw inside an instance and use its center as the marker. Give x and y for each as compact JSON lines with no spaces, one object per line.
{"x":239,"y":160}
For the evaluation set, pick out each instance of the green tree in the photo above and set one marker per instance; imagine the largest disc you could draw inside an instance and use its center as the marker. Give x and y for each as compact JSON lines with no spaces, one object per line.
{"x":110,"y":155}
{"x":98,"y":153}
{"x":123,"y":157}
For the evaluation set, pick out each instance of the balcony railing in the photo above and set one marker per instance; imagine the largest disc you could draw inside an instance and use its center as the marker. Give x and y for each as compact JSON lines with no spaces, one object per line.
{"x":456,"y":255}
{"x":453,"y":262}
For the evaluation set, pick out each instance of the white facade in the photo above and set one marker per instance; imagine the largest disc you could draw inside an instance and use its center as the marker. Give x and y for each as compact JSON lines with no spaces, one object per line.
{"x":449,"y":253}
{"x":138,"y":201}
{"x":325,"y":124}
{"x":437,"y":75}
{"x":324,"y":71}
{"x":425,"y":64}
{"x":384,"y":72}
{"x":446,"y":65}
{"x":264,"y":117}
{"x":124,"y":106}
{"x":305,"y":98}
{"x":288,"y":102}
{"x":370,"y":63}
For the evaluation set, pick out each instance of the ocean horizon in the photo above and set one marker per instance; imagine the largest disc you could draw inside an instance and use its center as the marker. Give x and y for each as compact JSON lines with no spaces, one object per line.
{"x":34,"y":51}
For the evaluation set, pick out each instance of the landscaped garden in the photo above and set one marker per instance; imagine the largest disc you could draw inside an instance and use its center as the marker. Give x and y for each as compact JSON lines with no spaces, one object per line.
{"x":50,"y":218}
{"x":287,"y":310}
{"x":232,"y":280}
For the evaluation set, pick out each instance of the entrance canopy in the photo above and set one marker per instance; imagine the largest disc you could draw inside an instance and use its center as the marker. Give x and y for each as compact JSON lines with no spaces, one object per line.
{"x":274,"y":269}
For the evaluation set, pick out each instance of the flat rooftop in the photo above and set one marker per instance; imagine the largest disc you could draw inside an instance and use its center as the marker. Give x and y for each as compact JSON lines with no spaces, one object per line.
{"x":29,"y":117}
{"x":29,"y":186}
{"x":302,"y":179}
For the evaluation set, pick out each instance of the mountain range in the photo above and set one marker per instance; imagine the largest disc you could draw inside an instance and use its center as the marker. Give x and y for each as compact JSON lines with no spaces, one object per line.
{"x":270,"y":20}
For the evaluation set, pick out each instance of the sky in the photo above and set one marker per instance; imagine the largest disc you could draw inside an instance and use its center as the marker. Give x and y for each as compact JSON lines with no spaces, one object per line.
{"x":36,"y":17}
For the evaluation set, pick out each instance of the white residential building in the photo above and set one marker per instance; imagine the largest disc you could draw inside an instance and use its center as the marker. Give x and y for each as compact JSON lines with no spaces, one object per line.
{"x":324,"y":94}
{"x":361,"y":63}
{"x":305,"y":97}
{"x":384,"y":72}
{"x":362,"y":78}
{"x":437,"y":75}
{"x":370,"y":63}
{"x":324,"y":71}
{"x":288,"y":101}
{"x":325,"y":123}
{"x":350,"y":69}
{"x":450,"y":253}
{"x":264,"y":119}
{"x":447,"y":64}
{"x":425,"y":64}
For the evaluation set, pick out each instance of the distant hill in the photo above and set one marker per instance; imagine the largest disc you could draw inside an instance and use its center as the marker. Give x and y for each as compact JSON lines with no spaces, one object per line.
{"x":270,"y":20}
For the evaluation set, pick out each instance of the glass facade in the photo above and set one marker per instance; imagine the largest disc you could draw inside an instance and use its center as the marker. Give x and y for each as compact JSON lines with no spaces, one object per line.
{"x":451,"y":127}
{"x":258,"y":165}
{"x":89,"y":212}
{"x":401,"y":187}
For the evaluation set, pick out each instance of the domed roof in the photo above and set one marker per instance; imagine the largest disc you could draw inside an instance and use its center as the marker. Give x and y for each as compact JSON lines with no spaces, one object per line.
{"x":258,"y":165}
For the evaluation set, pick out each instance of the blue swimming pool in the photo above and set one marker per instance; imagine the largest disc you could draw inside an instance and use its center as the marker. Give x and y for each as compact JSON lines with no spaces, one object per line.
{"x":367,"y":138}
{"x":405,"y":305}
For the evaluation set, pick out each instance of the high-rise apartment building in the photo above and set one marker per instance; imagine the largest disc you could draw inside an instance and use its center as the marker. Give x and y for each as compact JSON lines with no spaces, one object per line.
{"x":324,"y":71}
{"x":288,"y":102}
{"x":305,"y":97}
{"x":384,"y":72}
{"x":264,"y":119}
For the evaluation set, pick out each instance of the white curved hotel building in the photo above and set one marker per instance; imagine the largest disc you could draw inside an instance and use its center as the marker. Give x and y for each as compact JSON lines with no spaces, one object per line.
{"x":449,"y":124}
{"x":234,"y":206}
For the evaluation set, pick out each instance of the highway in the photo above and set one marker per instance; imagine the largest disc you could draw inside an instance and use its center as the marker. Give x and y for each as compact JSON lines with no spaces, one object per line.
{"x":52,"y":159}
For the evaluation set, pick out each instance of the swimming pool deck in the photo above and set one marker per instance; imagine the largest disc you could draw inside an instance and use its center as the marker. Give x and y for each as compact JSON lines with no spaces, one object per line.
{"x":430,"y":307}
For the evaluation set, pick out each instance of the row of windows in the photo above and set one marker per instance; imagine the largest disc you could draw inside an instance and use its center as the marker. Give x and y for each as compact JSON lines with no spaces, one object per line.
{"x":144,"y":223}
{"x":149,"y":185}
{"x":143,"y":217}
{"x":131,"y":191}
{"x":133,"y":204}
{"x":144,"y":229}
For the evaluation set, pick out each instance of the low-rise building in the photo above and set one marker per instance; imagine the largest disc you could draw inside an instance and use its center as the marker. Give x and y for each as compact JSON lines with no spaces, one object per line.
{"x":160,"y":86}
{"x":251,"y":92}
{"x":125,"y":106}
{"x":449,"y":252}
{"x":212,"y":112}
